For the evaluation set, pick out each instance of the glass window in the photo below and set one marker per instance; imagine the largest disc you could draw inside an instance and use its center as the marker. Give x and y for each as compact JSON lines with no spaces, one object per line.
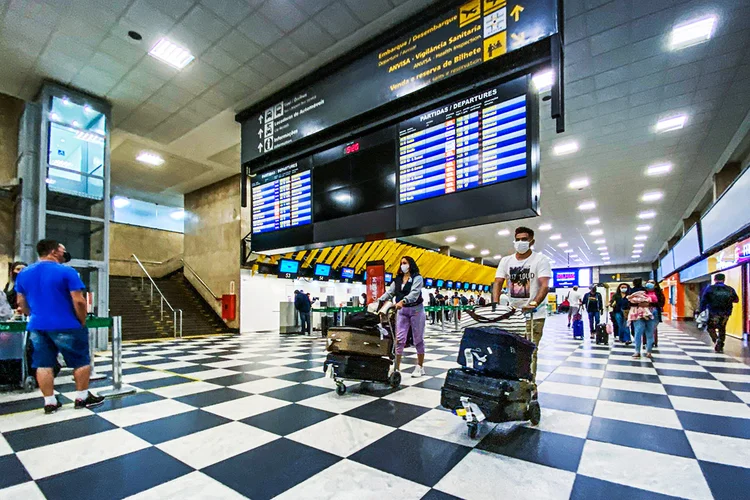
{"x":66,"y":112}
{"x":146,"y":214}
{"x":83,"y":239}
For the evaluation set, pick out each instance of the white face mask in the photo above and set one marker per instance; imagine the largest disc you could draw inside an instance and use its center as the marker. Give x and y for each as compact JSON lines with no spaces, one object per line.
{"x":623,"y":290}
{"x":521,"y":246}
{"x":404,"y":268}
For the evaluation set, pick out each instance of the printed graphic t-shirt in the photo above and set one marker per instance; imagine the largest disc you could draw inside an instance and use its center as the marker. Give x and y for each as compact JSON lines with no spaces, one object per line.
{"x":522,"y":279}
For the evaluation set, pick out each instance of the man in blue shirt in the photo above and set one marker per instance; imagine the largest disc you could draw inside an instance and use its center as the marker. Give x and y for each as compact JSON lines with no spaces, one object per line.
{"x":53,"y":295}
{"x":719,"y":299}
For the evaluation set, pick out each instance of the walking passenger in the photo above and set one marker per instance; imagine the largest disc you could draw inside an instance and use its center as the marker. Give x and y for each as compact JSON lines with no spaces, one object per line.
{"x":406,"y":288}
{"x":593,"y":303}
{"x":620,"y":307}
{"x":574,"y":297}
{"x":719,"y":299}
{"x":660,"y":302}
{"x":10,"y":287}
{"x":303,"y":305}
{"x":643,"y":304}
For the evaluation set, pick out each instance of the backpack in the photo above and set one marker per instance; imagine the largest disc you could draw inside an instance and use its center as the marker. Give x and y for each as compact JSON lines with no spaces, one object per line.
{"x":721,"y":298}
{"x":464,"y":301}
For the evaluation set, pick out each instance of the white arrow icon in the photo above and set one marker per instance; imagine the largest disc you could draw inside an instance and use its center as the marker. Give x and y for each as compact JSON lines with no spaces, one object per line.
{"x":260,"y":133}
{"x":260,"y":148}
{"x":260,"y":119}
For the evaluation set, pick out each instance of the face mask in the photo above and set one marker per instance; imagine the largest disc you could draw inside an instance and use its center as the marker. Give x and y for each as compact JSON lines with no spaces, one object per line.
{"x":623,"y":290}
{"x":66,"y":256}
{"x":649,"y":286}
{"x":404,"y":268}
{"x":521,"y":246}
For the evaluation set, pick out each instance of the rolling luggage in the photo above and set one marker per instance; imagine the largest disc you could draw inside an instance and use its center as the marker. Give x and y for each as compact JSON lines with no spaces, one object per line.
{"x":578,"y":328}
{"x":602,"y":337}
{"x":358,"y":367}
{"x":349,"y":340}
{"x":500,"y":400}
{"x":491,"y":351}
{"x":364,"y":320}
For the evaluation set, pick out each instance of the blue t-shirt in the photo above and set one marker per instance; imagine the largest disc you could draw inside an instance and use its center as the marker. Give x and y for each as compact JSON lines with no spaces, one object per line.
{"x":46,"y":286}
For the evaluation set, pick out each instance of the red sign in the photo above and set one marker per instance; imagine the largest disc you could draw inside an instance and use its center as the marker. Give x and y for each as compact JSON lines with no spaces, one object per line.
{"x":352,"y":148}
{"x":375,"y":284}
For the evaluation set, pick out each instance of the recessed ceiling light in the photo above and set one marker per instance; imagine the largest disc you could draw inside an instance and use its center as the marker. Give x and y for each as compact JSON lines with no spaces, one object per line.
{"x":592,"y":222}
{"x":450,"y":239}
{"x":574,"y":256}
{"x":637,"y":251}
{"x":652,"y":196}
{"x":568,"y":250}
{"x":587,"y":205}
{"x":469,"y":246}
{"x":471,"y":259}
{"x":497,"y":257}
{"x":150,"y":158}
{"x":604,"y":254}
{"x":602,"y":249}
{"x":54,"y":117}
{"x":543,"y":81}
{"x":596,"y":232}
{"x":171,"y":53}
{"x":178,"y":214}
{"x":605,"y":259}
{"x":647,"y":214}
{"x":503,"y":232}
{"x":673,"y":123}
{"x":643,"y":227}
{"x":545,"y":227}
{"x":565,"y":148}
{"x":555,"y":237}
{"x":485,"y":252}
{"x":692,"y":33}
{"x":563,"y":244}
{"x":641,"y":237}
{"x":578,"y":183}
{"x":639,"y":245}
{"x":600,"y":241}
{"x":75,"y":124}
{"x":659,"y":169}
{"x":120,"y":202}
{"x":66,"y":101}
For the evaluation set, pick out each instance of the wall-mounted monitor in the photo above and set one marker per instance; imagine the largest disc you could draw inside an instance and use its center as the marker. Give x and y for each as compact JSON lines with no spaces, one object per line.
{"x":667,"y":265}
{"x":440,"y":284}
{"x":322,"y":271}
{"x":449,"y":285}
{"x":459,"y":285}
{"x":728,"y":216}
{"x":687,"y":249}
{"x":473,"y":286}
{"x":288,"y":269}
{"x":347,"y":273}
{"x":467,"y":285}
{"x":486,"y":288}
{"x":428,"y":282}
{"x":388,"y":277}
{"x":565,"y":278}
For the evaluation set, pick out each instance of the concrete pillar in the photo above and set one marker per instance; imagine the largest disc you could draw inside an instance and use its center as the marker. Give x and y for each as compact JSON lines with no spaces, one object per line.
{"x":691,"y":220}
{"x":724,"y":177}
{"x":445,"y":250}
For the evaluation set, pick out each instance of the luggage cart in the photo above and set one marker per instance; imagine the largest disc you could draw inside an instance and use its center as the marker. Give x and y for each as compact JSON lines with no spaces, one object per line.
{"x":14,"y":341}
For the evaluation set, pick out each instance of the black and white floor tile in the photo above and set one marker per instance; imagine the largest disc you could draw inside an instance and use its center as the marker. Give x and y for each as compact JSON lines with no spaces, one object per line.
{"x":252,"y":416}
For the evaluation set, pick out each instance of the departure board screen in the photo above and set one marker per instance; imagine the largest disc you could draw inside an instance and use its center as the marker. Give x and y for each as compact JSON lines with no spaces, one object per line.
{"x":475,"y":142}
{"x":282,"y":198}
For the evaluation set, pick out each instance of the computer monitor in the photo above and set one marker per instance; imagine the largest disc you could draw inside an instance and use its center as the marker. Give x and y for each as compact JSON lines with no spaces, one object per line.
{"x":440,"y":284}
{"x":322,"y":271}
{"x":288,"y":269}
{"x":473,"y":286}
{"x":486,"y":288}
{"x":428,"y":282}
{"x":388,"y":277}
{"x":459,"y":285}
{"x":347,"y":273}
{"x":467,"y":285}
{"x":449,"y":285}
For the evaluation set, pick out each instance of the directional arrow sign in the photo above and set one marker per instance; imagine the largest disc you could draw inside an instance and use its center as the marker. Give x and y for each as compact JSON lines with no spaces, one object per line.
{"x":260,"y":133}
{"x":260,"y":119}
{"x":516,"y":12}
{"x":260,"y":148}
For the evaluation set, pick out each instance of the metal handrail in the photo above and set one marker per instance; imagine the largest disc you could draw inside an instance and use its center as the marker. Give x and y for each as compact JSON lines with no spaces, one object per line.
{"x":162,"y":300}
{"x":200,"y":280}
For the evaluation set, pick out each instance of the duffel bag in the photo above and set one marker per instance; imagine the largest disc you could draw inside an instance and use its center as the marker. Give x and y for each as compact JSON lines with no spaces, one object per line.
{"x":491,"y":351}
{"x":363,"y":319}
{"x":508,"y":318}
{"x":358,"y":367}
{"x":357,"y":341}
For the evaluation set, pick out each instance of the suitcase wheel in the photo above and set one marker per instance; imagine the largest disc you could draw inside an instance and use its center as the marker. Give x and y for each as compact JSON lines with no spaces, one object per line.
{"x":29,"y":384}
{"x":395,"y":379}
{"x":534,"y":412}
{"x":473,"y":429}
{"x":340,"y":389}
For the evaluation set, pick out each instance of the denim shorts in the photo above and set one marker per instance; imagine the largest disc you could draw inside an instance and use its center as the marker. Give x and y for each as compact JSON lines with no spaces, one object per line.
{"x":73,"y":344}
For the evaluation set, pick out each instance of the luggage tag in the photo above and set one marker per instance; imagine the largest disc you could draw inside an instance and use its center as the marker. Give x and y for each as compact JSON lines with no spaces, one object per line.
{"x":383,"y":332}
{"x":471,"y":410}
{"x":477,"y":360}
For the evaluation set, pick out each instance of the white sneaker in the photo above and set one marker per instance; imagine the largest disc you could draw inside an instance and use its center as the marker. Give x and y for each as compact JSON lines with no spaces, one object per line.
{"x":418,"y":372}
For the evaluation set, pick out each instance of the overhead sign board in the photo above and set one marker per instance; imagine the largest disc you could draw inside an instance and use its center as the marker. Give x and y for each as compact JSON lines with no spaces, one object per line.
{"x":565,"y":278}
{"x":474,"y":32}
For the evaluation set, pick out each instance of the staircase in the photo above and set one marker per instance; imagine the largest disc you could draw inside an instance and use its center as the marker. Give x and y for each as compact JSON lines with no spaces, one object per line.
{"x":141,"y":320}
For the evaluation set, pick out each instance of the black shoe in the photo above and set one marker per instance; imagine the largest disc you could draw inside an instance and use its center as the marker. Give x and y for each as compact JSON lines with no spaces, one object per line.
{"x":719,"y":347}
{"x":90,"y":402}
{"x":49,"y":409}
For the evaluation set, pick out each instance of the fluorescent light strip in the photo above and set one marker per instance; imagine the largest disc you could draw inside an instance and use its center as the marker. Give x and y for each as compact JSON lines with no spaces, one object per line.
{"x":150,"y":158}
{"x":659,"y":169}
{"x":587,"y":205}
{"x":692,"y":33}
{"x":171,"y":53}
{"x":565,"y":148}
{"x":669,"y":124}
{"x":578,"y":183}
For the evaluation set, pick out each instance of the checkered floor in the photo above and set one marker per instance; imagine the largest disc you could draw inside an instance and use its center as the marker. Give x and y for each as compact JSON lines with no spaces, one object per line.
{"x":252,"y":416}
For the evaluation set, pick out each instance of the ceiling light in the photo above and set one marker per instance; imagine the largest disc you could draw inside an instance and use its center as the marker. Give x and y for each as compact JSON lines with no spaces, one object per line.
{"x":88,"y":109}
{"x":574,"y":256}
{"x":578,"y":183}
{"x":485,"y":252}
{"x":592,"y":222}
{"x":503,"y":232}
{"x":150,"y":158}
{"x":450,"y":239}
{"x":471,"y":259}
{"x":120,"y":202}
{"x":565,"y":148}
{"x":543,"y":81}
{"x":587,"y":205}
{"x":669,"y":124}
{"x":555,"y":237}
{"x":602,"y":249}
{"x":605,"y":259}
{"x":659,"y":169}
{"x":89,"y":137}
{"x":342,"y":197}
{"x":604,"y":254}
{"x":643,"y":227}
{"x":76,"y":124}
{"x":652,"y":196}
{"x":497,"y":257}
{"x":545,"y":227}
{"x":600,"y":241}
{"x":54,"y":117}
{"x":66,"y":101}
{"x":178,"y":214}
{"x":596,"y":232}
{"x":563,"y":244}
{"x":51,"y":181}
{"x":638,"y":245}
{"x":637,"y":251}
{"x":61,"y":163}
{"x":470,"y":246}
{"x":641,"y":237}
{"x":692,"y":33}
{"x":568,"y":250}
{"x":171,"y":53}
{"x":648,"y":214}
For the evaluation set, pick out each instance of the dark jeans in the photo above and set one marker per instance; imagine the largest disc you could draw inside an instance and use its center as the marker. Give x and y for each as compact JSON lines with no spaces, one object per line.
{"x":593,"y":320}
{"x":717,"y":327}
{"x":304,"y":318}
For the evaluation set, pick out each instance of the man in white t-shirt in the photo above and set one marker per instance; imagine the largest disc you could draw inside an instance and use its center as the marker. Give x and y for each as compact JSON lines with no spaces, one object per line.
{"x":574,"y":297}
{"x":527,"y":274}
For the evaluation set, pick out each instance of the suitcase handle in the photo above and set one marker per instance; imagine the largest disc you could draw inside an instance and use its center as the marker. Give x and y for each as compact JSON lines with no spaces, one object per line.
{"x":481,"y":319}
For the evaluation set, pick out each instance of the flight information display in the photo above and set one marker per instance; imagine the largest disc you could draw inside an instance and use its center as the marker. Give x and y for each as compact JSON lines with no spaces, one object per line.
{"x":475,"y":142}
{"x":282,"y":198}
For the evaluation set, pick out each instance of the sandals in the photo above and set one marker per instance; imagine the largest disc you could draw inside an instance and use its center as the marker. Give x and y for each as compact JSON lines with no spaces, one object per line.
{"x":648,"y":355}
{"x":636,"y":356}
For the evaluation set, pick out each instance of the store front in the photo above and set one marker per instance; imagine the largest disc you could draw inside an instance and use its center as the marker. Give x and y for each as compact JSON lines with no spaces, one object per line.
{"x":734,"y":262}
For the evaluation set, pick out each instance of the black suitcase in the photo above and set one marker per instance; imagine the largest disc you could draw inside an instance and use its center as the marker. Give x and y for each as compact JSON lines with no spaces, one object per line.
{"x":489,"y":350}
{"x":364,"y":320}
{"x":500,"y":400}
{"x":358,"y":367}
{"x":601,"y":334}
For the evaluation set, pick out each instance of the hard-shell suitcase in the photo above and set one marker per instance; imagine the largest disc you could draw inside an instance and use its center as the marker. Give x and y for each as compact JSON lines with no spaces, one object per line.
{"x":348,"y":340}
{"x":601,"y":334}
{"x":500,"y":400}
{"x":578,"y":329}
{"x":358,"y":367}
{"x":492,"y":351}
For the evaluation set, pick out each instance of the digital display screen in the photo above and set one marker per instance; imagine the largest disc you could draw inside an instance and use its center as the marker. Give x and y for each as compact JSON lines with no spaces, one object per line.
{"x":388,"y":277}
{"x":281,"y":199}
{"x":473,"y":286}
{"x":428,"y":282}
{"x":347,"y":273}
{"x":486,"y":288}
{"x":687,"y":248}
{"x":322,"y":270}
{"x":288,"y":268}
{"x":474,"y":142}
{"x":449,"y":285}
{"x":565,"y":278}
{"x":466,"y":286}
{"x":459,"y":285}
{"x":440,"y":283}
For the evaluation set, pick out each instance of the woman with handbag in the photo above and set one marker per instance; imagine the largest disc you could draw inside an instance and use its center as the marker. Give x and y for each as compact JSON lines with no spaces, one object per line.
{"x":620,"y":308}
{"x":643,"y":303}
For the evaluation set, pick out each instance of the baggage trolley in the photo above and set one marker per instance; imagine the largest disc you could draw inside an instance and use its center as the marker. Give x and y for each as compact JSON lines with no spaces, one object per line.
{"x":388,"y":317}
{"x":14,"y":355}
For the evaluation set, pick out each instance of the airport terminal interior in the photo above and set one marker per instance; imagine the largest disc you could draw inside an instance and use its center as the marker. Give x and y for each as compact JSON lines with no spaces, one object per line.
{"x":376,"y":249}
